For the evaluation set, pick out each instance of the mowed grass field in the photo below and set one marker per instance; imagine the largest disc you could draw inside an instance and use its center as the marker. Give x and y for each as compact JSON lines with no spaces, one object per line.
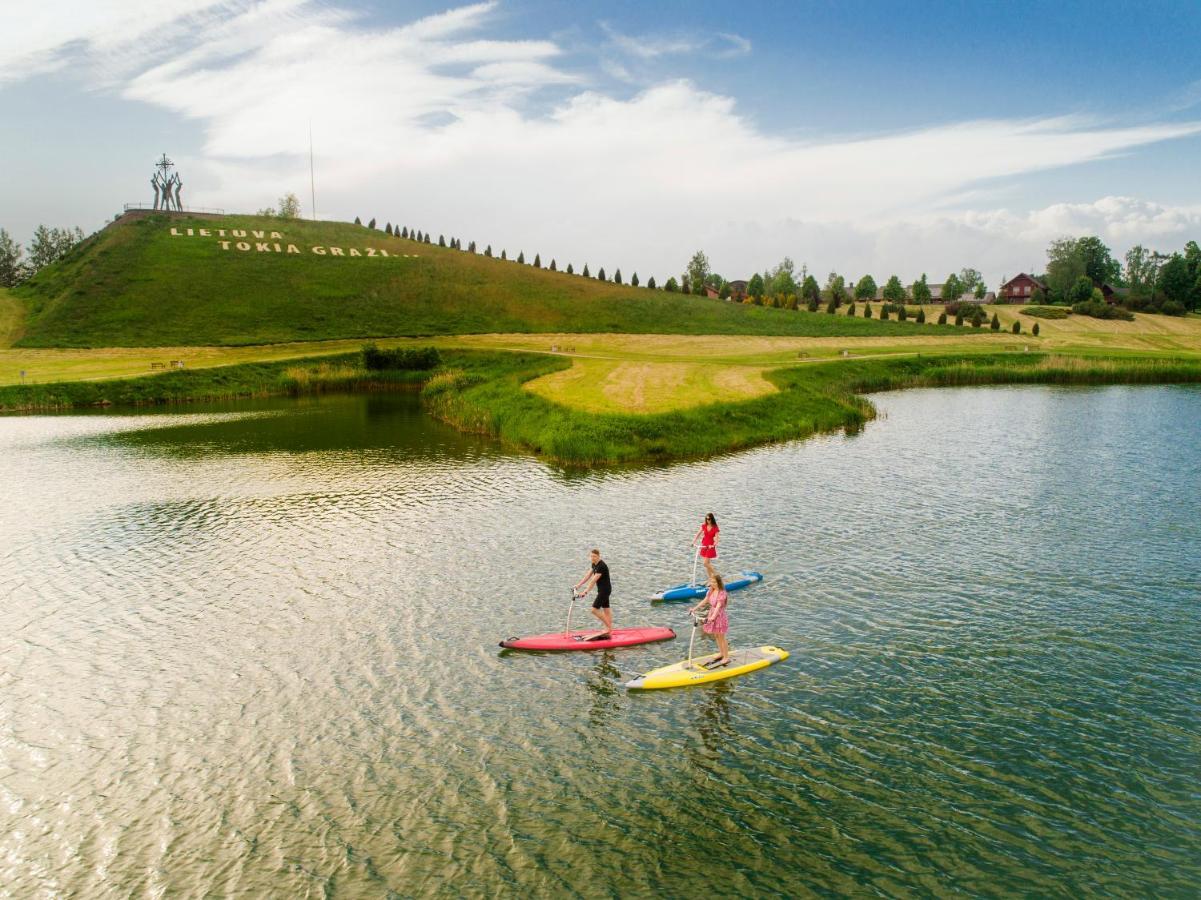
{"x":643,"y":373}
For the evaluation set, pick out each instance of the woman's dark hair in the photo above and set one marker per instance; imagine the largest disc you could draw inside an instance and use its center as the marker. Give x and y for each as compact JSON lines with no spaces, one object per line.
{"x":711,"y":519}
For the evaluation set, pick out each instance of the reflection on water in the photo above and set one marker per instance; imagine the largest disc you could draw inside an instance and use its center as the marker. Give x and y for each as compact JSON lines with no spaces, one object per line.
{"x":251,"y":650}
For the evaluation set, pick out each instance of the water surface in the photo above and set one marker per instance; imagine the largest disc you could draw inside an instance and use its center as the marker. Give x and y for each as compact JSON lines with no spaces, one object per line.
{"x":252,"y":649}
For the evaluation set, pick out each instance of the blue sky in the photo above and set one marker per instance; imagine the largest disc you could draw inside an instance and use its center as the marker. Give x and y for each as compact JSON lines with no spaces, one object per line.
{"x":858,"y":137}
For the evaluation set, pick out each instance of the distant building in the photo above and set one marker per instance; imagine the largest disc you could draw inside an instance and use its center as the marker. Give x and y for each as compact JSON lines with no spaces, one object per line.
{"x":1114,"y":294}
{"x":711,"y":292}
{"x":1020,"y":288}
{"x":738,"y":291}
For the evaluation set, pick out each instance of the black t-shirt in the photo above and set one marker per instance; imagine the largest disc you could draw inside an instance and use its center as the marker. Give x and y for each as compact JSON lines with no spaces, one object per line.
{"x":603,"y":585}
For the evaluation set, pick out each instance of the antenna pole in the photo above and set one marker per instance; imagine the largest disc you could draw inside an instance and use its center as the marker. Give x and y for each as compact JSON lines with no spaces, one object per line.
{"x":312,"y":179}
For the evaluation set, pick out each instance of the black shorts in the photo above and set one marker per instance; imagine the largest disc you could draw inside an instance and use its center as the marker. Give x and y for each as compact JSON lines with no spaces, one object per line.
{"x":601,"y":601}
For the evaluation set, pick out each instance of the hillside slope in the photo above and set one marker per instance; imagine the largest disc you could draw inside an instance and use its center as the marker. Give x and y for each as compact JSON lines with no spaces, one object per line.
{"x":172,"y":281}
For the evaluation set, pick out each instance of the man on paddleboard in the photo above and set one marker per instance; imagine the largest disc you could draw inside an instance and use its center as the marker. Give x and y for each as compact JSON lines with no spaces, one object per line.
{"x":598,"y":575}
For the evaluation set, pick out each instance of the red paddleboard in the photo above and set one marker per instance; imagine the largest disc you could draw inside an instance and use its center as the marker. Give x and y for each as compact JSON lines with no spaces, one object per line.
{"x":578,"y":640}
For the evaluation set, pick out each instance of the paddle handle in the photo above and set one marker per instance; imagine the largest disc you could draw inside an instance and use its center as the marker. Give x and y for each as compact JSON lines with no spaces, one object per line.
{"x":570,"y":609}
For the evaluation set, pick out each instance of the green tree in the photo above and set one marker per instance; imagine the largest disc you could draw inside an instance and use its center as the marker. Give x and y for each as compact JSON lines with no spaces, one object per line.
{"x":1017,"y":327}
{"x":884,"y":313}
{"x":504,"y":254}
{"x":521,"y":257}
{"x":685,"y":284}
{"x":754,"y":287}
{"x":970,"y":279}
{"x":1034,"y":330}
{"x":952,"y":288}
{"x":851,"y":308}
{"x":865,"y":289}
{"x":570,"y":270}
{"x":585,"y":272}
{"x":650,"y":283}
{"x":942,"y":318}
{"x":995,"y":325}
{"x":12,"y":266}
{"x":537,"y":260}
{"x":724,"y":291}
{"x":979,"y":290}
{"x":405,"y":234}
{"x":634,"y":280}
{"x":781,"y":280}
{"x":810,"y":290}
{"x":600,"y":274}
{"x":289,"y":206}
{"x":358,"y":221}
{"x":1099,"y":264}
{"x":554,"y":266}
{"x":672,"y":286}
{"x":1081,"y":290}
{"x":1174,"y":281}
{"x":617,"y":277}
{"x":867,"y":310}
{"x":921,"y":290}
{"x":1140,"y":272}
{"x":49,"y":245}
{"x":1065,"y":266}
{"x":488,"y":251}
{"x":698,"y":270}
{"x":832,"y":306}
{"x":441,"y":239}
{"x":920,"y":318}
{"x":371,"y":224}
{"x":894,"y":291}
{"x":836,"y":288}
{"x":902,"y":314}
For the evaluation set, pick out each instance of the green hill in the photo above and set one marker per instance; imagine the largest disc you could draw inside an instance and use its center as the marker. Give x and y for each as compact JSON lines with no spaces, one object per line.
{"x":156,"y":280}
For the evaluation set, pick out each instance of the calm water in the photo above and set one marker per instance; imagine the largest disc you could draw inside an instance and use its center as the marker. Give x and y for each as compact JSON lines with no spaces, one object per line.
{"x":252,"y":650}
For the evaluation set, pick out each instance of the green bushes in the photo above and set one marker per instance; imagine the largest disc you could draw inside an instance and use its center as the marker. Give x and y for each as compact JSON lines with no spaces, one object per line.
{"x":1099,"y":309}
{"x":995,"y":324}
{"x":1046,"y":312}
{"x":414,"y":359}
{"x":1034,"y":330}
{"x":1017,"y":327}
{"x":942,"y":318}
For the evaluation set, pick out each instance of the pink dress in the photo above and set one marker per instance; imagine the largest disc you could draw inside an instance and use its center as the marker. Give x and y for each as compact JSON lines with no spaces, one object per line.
{"x":717,"y":622}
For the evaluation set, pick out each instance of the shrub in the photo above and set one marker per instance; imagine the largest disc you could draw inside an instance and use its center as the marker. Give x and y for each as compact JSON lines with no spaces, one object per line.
{"x":377,"y":360}
{"x":1172,"y":308}
{"x":371,"y":224}
{"x":995,"y":324}
{"x":1034,"y":330}
{"x":959,"y":318}
{"x":1046,"y":312}
{"x":902,"y":314}
{"x":921,"y":317}
{"x":867,"y":310}
{"x":1099,"y":309}
{"x":832,"y":306}
{"x":884,"y":313}
{"x":851,"y":309}
{"x":650,"y":283}
{"x":1017,"y":327}
{"x":942,"y":318}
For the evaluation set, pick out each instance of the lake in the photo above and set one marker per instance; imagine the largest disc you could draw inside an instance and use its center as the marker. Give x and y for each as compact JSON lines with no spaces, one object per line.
{"x":252,"y":649}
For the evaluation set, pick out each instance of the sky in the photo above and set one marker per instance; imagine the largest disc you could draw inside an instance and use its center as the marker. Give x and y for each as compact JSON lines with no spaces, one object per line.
{"x":859,"y":137}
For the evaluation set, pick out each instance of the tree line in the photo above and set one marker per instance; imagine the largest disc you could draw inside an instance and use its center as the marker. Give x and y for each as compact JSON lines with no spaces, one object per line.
{"x":1080,"y":269}
{"x":47,"y":246}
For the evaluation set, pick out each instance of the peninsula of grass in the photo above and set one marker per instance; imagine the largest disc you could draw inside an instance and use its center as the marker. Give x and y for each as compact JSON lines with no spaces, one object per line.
{"x":484,"y":392}
{"x":136,"y":284}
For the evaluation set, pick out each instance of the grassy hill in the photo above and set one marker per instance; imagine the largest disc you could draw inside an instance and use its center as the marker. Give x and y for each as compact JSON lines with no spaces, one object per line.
{"x":135,"y":284}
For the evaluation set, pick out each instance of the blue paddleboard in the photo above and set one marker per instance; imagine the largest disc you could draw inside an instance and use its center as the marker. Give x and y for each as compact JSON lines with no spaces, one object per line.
{"x":696,"y":591}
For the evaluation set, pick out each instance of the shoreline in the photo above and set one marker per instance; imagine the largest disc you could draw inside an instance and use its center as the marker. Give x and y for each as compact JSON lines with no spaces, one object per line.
{"x":483,"y":392}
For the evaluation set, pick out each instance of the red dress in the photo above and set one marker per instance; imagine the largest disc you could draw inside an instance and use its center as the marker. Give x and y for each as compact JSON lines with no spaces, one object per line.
{"x":709,"y":541}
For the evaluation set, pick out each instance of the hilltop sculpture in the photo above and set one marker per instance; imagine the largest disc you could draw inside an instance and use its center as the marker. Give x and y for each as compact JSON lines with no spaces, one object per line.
{"x":167,"y":185}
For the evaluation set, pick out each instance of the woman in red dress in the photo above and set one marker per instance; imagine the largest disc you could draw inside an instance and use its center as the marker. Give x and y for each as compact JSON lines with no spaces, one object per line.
{"x":707,"y":536}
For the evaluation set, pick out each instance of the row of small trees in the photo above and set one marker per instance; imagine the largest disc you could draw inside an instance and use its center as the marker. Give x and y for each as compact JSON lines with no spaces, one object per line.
{"x":47,"y":246}
{"x":453,"y":243}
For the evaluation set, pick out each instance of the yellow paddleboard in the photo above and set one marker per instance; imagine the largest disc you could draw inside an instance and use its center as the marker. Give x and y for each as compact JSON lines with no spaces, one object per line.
{"x":684,"y":673}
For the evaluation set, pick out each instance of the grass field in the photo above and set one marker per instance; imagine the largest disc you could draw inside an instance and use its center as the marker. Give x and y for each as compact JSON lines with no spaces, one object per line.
{"x":135,"y":284}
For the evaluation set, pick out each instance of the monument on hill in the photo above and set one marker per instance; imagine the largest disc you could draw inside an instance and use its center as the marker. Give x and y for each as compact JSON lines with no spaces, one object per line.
{"x":167,"y":185}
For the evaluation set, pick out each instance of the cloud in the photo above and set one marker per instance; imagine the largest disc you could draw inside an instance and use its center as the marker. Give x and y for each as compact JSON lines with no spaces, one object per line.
{"x":648,"y":47}
{"x":431,"y":124}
